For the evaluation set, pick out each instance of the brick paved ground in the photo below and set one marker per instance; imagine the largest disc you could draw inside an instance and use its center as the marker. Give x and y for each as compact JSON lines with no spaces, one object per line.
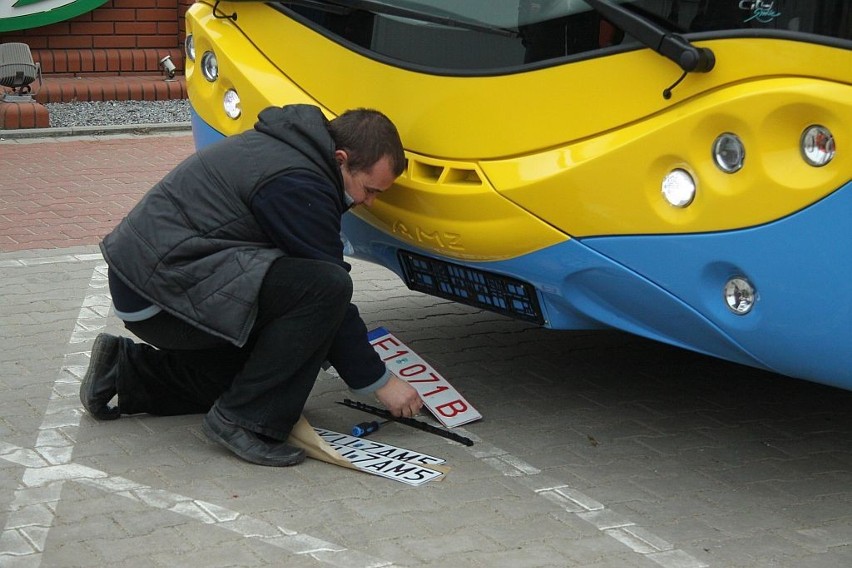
{"x":596,"y":450}
{"x":65,"y":192}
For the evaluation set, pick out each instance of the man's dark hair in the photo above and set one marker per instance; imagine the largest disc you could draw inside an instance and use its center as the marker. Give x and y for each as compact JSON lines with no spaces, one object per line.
{"x":366,"y":135}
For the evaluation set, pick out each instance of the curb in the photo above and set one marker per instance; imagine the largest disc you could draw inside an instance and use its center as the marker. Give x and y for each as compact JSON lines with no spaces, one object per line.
{"x":138,"y":129}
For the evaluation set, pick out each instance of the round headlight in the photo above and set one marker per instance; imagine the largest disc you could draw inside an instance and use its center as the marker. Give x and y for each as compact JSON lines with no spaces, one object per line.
{"x":817,"y":145}
{"x":189,"y":47}
{"x":210,"y":66}
{"x":678,"y":188}
{"x":739,"y":295}
{"x":231,"y":102}
{"x":729,"y":152}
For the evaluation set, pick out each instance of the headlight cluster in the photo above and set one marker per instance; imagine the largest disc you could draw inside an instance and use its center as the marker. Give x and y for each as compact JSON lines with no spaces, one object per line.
{"x":679,"y":188}
{"x":209,"y":64}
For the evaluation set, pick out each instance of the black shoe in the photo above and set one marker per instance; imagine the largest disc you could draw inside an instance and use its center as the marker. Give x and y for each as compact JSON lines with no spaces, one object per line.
{"x":247,"y":444}
{"x":98,"y":385}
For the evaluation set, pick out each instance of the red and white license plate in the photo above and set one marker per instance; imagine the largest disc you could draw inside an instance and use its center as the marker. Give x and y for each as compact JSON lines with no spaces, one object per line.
{"x":438,"y":395}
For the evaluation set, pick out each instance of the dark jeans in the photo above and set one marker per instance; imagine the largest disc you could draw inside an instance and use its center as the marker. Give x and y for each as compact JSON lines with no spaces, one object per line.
{"x":262,"y":386}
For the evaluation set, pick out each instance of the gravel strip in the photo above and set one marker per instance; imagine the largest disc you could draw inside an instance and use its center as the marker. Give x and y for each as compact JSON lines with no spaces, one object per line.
{"x":113,"y":113}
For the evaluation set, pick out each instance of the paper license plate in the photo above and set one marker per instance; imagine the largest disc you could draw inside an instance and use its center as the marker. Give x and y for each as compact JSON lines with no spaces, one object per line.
{"x":404,"y":470}
{"x":377,"y":448}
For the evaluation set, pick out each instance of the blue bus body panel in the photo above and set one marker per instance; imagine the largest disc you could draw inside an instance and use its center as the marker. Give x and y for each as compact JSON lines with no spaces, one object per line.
{"x":801,"y":267}
{"x":580,"y":288}
{"x":202,"y":133}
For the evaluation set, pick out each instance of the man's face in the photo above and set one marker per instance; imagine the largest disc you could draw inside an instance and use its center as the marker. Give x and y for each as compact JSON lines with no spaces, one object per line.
{"x":365,"y":185}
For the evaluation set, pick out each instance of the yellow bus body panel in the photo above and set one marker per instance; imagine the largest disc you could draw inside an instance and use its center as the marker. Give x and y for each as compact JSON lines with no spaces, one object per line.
{"x":504,"y":165}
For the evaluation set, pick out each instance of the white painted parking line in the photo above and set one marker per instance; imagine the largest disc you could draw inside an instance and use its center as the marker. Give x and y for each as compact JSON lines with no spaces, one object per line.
{"x":42,"y":260}
{"x":32,"y":520}
{"x":32,"y":509}
{"x":48,"y":465}
{"x":638,"y":539}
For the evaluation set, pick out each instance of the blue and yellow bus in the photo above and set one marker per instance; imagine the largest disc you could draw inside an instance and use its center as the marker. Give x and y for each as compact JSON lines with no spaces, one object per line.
{"x":676,"y":169}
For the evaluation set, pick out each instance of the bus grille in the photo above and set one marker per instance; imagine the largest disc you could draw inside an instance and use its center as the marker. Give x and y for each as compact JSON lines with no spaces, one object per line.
{"x":493,"y":292}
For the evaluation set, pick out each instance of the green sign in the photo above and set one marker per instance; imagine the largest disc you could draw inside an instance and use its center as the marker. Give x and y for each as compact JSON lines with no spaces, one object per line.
{"x":24,"y":14}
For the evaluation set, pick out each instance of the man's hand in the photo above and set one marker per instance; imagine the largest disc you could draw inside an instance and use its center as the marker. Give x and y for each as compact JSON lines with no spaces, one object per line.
{"x":399,"y":398}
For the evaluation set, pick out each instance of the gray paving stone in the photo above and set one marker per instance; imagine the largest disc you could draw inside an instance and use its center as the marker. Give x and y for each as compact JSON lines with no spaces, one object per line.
{"x":664,"y":458}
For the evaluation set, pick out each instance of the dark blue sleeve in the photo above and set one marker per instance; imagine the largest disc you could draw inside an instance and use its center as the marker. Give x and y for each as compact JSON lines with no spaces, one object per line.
{"x":354,"y":358}
{"x":301,"y":213}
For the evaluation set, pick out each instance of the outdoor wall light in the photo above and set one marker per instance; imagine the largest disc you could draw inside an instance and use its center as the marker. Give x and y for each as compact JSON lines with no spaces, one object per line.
{"x":168,"y":66}
{"x":17,"y":69}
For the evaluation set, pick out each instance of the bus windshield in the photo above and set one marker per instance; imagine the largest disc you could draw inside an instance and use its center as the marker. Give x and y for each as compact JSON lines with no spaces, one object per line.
{"x":483,"y":35}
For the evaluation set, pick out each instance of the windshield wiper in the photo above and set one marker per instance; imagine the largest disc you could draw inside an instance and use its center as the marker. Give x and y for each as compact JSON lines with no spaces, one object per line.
{"x":441,"y":17}
{"x":689,"y":58}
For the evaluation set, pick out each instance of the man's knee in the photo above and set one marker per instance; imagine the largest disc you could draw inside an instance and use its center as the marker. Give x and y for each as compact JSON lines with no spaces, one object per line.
{"x":337,"y":282}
